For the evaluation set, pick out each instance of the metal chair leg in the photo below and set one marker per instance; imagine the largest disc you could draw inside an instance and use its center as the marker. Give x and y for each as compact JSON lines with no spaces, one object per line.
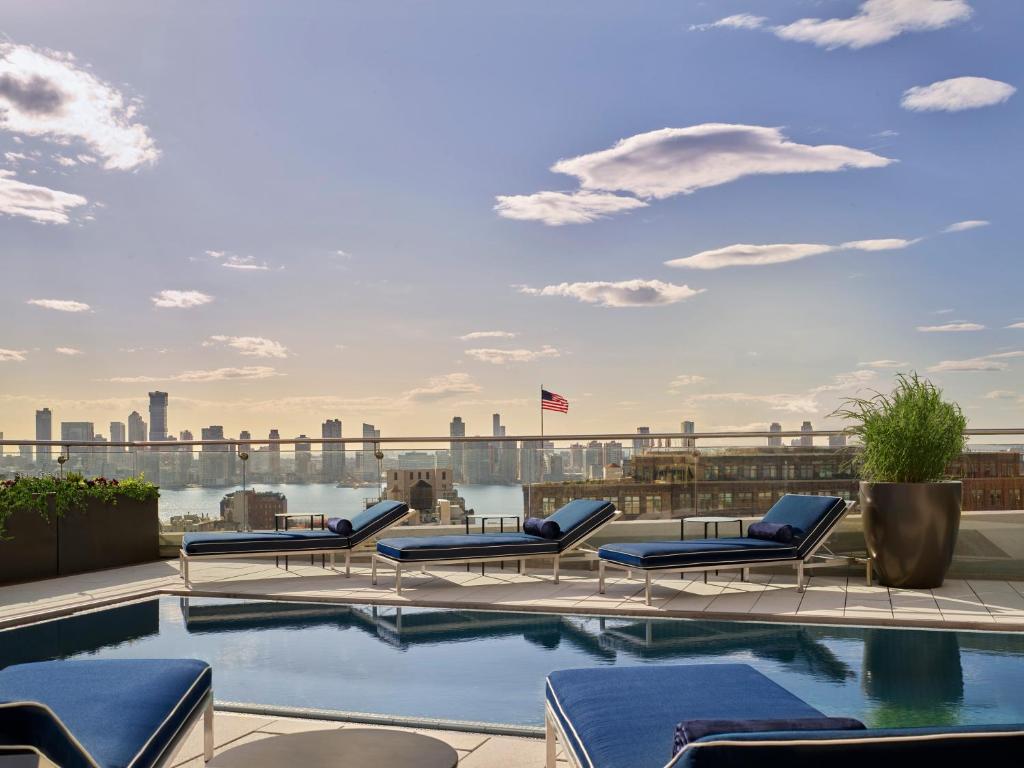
{"x":647,"y":587}
{"x":600,"y":577}
{"x":208,"y":731}
{"x":550,"y":742}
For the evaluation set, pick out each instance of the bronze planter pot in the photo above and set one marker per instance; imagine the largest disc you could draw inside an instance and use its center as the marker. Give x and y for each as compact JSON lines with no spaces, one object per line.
{"x":910,"y":530}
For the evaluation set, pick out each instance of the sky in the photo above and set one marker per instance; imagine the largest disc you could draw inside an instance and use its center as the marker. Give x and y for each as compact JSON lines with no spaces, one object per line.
{"x":734,"y":212}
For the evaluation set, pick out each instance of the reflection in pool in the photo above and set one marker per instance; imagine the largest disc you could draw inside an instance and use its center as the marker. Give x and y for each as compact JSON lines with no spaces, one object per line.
{"x":490,"y":666}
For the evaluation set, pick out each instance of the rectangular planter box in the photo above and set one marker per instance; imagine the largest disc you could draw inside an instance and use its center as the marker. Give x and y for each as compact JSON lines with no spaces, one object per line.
{"x":29,"y":550}
{"x":108,"y":536}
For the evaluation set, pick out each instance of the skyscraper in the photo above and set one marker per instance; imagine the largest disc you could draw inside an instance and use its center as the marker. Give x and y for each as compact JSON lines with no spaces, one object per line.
{"x":368,"y":467}
{"x":44,"y":431}
{"x":117,"y":434}
{"x":275,"y":455}
{"x":806,"y":440}
{"x":213,"y":459}
{"x":457,"y":428}
{"x":775,"y":442}
{"x":136,"y":428}
{"x":837,"y":441}
{"x":688,"y":429}
{"x":641,"y":444}
{"x":77,"y":431}
{"x":157,"y":415}
{"x":334,"y":453}
{"x":303,"y":459}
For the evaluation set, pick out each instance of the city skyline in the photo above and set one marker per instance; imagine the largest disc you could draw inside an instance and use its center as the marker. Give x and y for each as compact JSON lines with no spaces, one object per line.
{"x":667,"y":212}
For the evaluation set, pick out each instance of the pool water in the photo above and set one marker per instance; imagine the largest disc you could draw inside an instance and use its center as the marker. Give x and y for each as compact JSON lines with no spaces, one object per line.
{"x":490,"y":666}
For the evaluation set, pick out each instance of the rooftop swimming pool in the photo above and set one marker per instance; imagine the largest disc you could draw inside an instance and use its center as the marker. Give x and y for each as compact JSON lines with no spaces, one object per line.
{"x":490,"y":666}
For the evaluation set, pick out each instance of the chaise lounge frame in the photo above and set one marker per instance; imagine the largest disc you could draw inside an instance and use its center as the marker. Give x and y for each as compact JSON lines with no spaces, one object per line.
{"x":577,"y":547}
{"x":813,"y":560}
{"x":359,"y":549}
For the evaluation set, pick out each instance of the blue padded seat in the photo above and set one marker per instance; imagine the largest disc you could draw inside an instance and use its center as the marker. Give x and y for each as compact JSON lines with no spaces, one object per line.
{"x":423,"y":548}
{"x":364,"y":525}
{"x":625,"y":717}
{"x":651,"y":555}
{"x":579,"y":518}
{"x":123,"y":712}
{"x":810,"y":516}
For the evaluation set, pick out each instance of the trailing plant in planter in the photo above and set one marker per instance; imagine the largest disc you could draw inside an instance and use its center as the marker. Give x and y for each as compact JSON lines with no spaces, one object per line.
{"x":910,"y":510}
{"x":71,"y":492}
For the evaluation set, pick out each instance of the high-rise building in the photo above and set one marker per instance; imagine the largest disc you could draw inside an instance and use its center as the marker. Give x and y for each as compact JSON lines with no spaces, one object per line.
{"x":457,"y":428}
{"x":837,"y":441}
{"x":117,"y":434}
{"x":44,"y":431}
{"x":157,"y":416}
{"x":136,"y":428}
{"x":775,"y":442}
{"x":275,"y":456}
{"x":368,"y":461}
{"x":806,"y":440}
{"x":243,"y":441}
{"x":688,"y":429}
{"x":213,"y":459}
{"x":334,"y":453}
{"x":186,"y":435}
{"x":640,"y":444}
{"x":303,"y":459}
{"x":77,"y":431}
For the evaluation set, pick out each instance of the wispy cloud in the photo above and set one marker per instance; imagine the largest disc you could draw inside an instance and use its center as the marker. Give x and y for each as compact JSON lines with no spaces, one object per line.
{"x":993,"y":362}
{"x":956,"y":95}
{"x":253,"y":346}
{"x":683,"y":380}
{"x":47,"y":94}
{"x":808,"y":401}
{"x":181,"y":299}
{"x":963,"y":226}
{"x":234,"y":261}
{"x":12,"y":355}
{"x":558,"y":208}
{"x":200,"y":376}
{"x":677,"y":161}
{"x":488,"y":335}
{"x":876,"y":21}
{"x":625,"y":293}
{"x":32,"y":201}
{"x":1001,"y":394}
{"x":884,"y":364}
{"x":743,"y":254}
{"x":736,"y":21}
{"x":951,"y":328}
{"x":60,"y":305}
{"x":442,"y":387}
{"x":504,"y":356}
{"x":1016,"y":325}
{"x":69,"y":351}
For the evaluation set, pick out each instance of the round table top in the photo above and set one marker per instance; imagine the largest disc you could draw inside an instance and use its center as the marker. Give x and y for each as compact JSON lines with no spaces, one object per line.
{"x":349,"y":747}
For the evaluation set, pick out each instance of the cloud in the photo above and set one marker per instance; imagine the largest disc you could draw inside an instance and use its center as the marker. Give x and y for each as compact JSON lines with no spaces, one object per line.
{"x":234,"y":261}
{"x":951,"y":328}
{"x":64,"y":161}
{"x":683,"y":380}
{"x":442,"y":387}
{"x":217,"y":374}
{"x":993,"y":362}
{"x":46,"y":94}
{"x":253,"y":346}
{"x":743,"y":254}
{"x":625,"y":293}
{"x":503,"y":356}
{"x":1000,"y":394}
{"x":49,"y":206}
{"x":1015,"y":325}
{"x":798,"y":402}
{"x":12,"y":355}
{"x":736,"y":21}
{"x":876,"y":21}
{"x":558,"y":208}
{"x":60,"y":305}
{"x":69,"y":351}
{"x":956,"y":95}
{"x":677,"y":161}
{"x":884,"y":364}
{"x":181,"y":299}
{"x":963,"y":226}
{"x":488,"y":335}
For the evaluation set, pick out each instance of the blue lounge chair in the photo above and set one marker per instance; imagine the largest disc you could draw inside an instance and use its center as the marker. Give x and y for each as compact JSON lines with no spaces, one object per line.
{"x":626,"y":717}
{"x":812,"y":518}
{"x":577,"y":521}
{"x":105,"y":713}
{"x":365,"y":526}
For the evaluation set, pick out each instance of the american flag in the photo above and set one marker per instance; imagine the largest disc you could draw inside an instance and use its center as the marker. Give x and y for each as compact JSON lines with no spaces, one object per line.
{"x":549,"y":401}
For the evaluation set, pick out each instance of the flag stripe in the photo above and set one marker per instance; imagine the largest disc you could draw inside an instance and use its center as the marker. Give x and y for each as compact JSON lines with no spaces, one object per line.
{"x":549,"y":401}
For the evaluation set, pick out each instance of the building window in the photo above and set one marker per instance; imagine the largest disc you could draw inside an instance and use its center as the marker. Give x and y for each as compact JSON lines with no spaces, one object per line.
{"x":703,"y":501}
{"x":745,"y":500}
{"x":631,"y":505}
{"x":548,"y":505}
{"x":995,"y":498}
{"x":444,"y":475}
{"x":653,"y":504}
{"x":725,"y":500}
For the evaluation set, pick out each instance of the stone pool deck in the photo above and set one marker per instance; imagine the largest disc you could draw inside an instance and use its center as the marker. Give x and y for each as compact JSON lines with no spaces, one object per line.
{"x":958,"y":604}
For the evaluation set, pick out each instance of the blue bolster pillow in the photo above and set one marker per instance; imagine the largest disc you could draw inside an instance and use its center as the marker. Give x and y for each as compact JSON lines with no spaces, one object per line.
{"x":690,"y":731}
{"x":340,"y":526}
{"x":538,"y":526}
{"x":784,"y":534}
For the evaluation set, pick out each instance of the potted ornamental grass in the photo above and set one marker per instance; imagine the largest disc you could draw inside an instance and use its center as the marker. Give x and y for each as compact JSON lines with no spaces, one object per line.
{"x":910,"y":508}
{"x":53,"y":526}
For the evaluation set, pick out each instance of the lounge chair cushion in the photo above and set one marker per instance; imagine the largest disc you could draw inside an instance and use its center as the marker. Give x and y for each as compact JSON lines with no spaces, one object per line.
{"x":810,"y":516}
{"x":426,"y":548}
{"x":339,"y":525}
{"x":695,"y":552}
{"x":625,"y":717}
{"x":779,"y":532}
{"x":375,"y":519}
{"x":122,"y":712}
{"x":690,"y":731}
{"x":241,"y":543}
{"x":579,"y":518}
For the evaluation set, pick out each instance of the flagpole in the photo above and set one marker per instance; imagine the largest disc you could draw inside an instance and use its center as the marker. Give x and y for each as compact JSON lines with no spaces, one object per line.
{"x":542,"y":413}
